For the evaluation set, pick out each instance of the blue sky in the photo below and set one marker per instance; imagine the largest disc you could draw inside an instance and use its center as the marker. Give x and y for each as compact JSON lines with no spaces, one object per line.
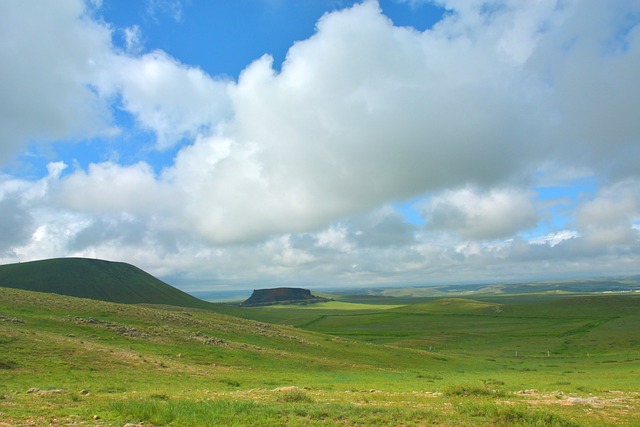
{"x":323,"y":143}
{"x":223,"y":37}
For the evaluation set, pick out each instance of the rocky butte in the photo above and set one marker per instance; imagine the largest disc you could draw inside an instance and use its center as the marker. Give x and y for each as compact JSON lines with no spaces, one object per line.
{"x":261,"y":297}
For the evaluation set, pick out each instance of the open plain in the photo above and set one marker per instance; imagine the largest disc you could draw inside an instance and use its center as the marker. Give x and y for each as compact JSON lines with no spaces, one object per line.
{"x":530,"y":360}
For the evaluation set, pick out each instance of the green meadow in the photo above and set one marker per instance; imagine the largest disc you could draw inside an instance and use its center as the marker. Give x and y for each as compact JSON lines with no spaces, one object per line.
{"x":500,"y":360}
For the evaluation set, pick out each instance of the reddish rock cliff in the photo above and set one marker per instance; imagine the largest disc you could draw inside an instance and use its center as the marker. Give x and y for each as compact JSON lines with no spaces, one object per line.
{"x":281,"y":296}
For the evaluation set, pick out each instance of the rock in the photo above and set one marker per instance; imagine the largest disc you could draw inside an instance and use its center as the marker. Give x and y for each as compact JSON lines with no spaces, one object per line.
{"x":207,"y":340}
{"x":54,"y":391}
{"x":214,"y":341}
{"x":261,"y":297}
{"x":585,"y":401}
{"x":84,"y":392}
{"x":10,"y":319}
{"x":35,"y":390}
{"x":529,"y":391}
{"x":288,"y":388}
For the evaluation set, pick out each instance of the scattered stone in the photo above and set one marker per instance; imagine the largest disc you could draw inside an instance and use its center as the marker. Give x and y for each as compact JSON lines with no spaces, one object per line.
{"x":207,"y":340}
{"x":84,"y":392}
{"x":529,"y":391}
{"x":288,"y":388}
{"x":214,"y":341}
{"x":55,"y":391}
{"x":71,"y":335}
{"x":35,"y":390}
{"x":593,"y":401}
{"x":10,"y":319}
{"x":95,"y":417}
{"x":125,"y":331}
{"x":88,"y":320}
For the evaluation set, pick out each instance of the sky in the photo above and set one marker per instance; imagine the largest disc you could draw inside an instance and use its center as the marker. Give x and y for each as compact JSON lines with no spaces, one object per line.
{"x":242,"y":144}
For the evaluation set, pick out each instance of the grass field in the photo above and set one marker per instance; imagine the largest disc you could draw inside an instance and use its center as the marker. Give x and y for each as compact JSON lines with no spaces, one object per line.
{"x":565,"y":361}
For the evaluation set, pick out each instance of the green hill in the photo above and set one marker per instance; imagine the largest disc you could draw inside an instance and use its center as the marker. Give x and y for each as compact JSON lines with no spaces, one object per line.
{"x":94,"y":279}
{"x":66,"y":360}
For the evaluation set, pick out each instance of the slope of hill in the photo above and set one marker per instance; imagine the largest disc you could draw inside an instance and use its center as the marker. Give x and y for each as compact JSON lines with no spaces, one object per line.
{"x":72,"y":361}
{"x":94,"y":279}
{"x":83,"y":362}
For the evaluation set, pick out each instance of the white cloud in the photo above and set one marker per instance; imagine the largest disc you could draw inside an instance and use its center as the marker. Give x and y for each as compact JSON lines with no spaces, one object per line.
{"x":133,"y":39}
{"x":16,"y":223}
{"x":361,"y":114}
{"x":50,"y":53}
{"x":476,"y":215}
{"x":384,"y":227}
{"x":555,"y":238}
{"x":334,"y":238}
{"x":590,"y":62}
{"x":171,"y":8}
{"x":609,"y":217}
{"x":283,"y":255}
{"x":110,"y":188}
{"x":512,"y":27}
{"x":173,"y":100}
{"x":288,"y":175}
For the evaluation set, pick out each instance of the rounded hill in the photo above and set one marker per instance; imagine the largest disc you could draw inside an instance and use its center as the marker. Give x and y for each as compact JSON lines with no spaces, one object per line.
{"x":95,"y":279}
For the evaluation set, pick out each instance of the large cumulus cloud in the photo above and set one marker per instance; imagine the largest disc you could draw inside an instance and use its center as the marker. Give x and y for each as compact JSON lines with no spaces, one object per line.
{"x":298,"y":169}
{"x":500,"y":213}
{"x":50,"y":53}
{"x":361,"y":114}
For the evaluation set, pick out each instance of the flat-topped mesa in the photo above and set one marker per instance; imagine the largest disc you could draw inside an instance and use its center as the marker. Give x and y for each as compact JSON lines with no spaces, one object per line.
{"x":281,"y":296}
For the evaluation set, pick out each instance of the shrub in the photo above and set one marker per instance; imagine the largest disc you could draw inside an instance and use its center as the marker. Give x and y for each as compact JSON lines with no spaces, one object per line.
{"x":470,"y":390}
{"x":295,"y":396}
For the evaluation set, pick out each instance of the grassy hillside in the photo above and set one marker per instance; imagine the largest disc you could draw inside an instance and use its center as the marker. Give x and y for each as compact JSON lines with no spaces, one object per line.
{"x":590,"y":335}
{"x":126,"y":363}
{"x":567,"y":326}
{"x":95,"y":279}
{"x":72,"y":361}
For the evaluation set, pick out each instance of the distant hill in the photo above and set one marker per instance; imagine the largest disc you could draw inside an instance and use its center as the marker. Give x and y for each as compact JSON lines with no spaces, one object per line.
{"x":95,"y":279}
{"x":579,"y":286}
{"x":261,"y":297}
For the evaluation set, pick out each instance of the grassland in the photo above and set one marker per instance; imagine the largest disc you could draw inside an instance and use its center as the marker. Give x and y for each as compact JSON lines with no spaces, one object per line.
{"x":546,"y":362}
